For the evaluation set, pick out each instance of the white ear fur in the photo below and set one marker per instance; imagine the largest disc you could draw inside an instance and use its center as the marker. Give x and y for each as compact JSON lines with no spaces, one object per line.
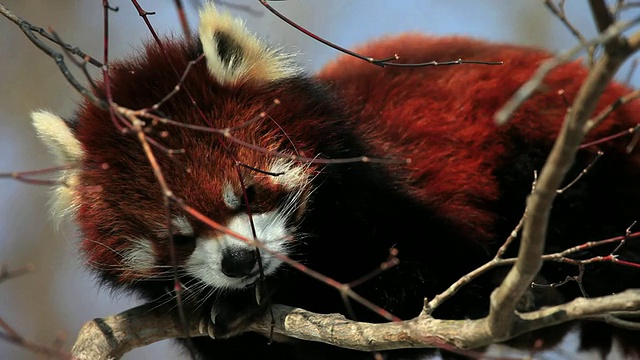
{"x":234,"y":54}
{"x":58,"y":137}
{"x":55,"y":133}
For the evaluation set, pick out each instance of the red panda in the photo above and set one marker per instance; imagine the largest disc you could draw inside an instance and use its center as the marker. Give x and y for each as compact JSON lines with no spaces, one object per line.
{"x":446,"y":211}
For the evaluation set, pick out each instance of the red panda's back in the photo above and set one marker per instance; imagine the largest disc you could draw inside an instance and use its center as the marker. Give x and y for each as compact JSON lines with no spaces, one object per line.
{"x":441,"y":117}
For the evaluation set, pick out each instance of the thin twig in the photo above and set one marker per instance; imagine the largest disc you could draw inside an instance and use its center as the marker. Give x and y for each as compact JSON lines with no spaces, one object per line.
{"x":389,"y":61}
{"x":6,"y":273}
{"x":582,"y":173}
{"x":606,"y":112}
{"x":559,"y":12}
{"x":28,"y":30}
{"x":9,"y":334}
{"x":186,"y":29}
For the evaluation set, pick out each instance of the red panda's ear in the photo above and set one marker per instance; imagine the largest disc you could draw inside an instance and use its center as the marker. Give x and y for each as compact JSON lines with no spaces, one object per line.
{"x":59,"y":138}
{"x":55,"y":133}
{"x":236,"y":55}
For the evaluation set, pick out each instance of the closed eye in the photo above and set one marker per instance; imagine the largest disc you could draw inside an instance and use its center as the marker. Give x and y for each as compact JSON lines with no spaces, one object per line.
{"x":248,"y":196}
{"x":183,"y":240}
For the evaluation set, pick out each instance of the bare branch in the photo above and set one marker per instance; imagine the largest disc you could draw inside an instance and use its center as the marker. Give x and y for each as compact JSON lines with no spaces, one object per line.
{"x":531,"y":86}
{"x":186,"y":29}
{"x":113,"y":336}
{"x":559,"y":12}
{"x":6,"y":273}
{"x":28,"y":30}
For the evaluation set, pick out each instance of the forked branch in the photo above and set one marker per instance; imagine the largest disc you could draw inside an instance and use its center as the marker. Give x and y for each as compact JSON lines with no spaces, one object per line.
{"x":113,"y":336}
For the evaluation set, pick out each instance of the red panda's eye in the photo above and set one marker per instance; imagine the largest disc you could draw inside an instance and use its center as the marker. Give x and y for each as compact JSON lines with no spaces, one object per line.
{"x":248,"y":196}
{"x":182,"y":240}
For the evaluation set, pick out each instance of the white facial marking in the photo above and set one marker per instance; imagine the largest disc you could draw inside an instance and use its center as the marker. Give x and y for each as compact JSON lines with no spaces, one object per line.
{"x":139,"y":256}
{"x":182,"y":226}
{"x":230,"y":198}
{"x":292,"y":175}
{"x":205,"y":261}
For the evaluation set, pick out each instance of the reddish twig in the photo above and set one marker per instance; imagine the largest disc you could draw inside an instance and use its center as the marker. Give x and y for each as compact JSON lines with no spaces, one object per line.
{"x":176,"y":89}
{"x":630,"y":131}
{"x":6,"y":273}
{"x":11,"y":335}
{"x":27,"y":176}
{"x":186,"y":29}
{"x":391,"y":261}
{"x":226,"y":132}
{"x":8,"y":333}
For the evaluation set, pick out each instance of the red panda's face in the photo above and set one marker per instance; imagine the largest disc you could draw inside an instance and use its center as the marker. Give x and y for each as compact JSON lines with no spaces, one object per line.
{"x":116,"y":199}
{"x":276,"y":202}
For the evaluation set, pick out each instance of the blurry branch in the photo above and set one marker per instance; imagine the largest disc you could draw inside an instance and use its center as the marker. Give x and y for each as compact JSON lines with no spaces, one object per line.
{"x":531,"y":86}
{"x":559,"y":12}
{"x":9,"y":334}
{"x":186,"y":29}
{"x":599,"y":118}
{"x":30,"y":31}
{"x":31,"y":177}
{"x":6,"y":273}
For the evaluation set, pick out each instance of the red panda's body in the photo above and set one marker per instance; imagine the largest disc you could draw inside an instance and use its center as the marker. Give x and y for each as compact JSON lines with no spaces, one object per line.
{"x":446,"y":211}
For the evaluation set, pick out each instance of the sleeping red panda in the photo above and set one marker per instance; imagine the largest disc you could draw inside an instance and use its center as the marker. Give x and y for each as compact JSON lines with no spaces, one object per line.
{"x":446,"y":211}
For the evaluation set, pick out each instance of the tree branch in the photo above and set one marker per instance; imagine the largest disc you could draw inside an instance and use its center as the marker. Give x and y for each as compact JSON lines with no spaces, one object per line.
{"x":113,"y":336}
{"x":531,"y":86}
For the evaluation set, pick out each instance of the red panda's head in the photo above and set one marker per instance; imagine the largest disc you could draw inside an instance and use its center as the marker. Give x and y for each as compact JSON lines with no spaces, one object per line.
{"x":112,"y":192}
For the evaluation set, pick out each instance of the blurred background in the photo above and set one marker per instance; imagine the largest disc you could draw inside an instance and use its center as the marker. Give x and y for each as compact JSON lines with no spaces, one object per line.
{"x":59,"y":295}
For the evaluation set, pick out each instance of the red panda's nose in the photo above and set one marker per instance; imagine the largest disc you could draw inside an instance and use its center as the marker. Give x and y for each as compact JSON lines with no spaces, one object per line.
{"x":238,"y":263}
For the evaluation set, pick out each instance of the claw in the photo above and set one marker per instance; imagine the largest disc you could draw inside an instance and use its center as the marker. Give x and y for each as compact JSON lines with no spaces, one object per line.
{"x":214,"y":314}
{"x":258,"y":295}
{"x":202,"y":326}
{"x":261,"y":293}
{"x":211,"y":331}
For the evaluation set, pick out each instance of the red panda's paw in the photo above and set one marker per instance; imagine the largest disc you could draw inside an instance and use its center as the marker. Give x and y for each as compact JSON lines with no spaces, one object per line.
{"x":233,"y":314}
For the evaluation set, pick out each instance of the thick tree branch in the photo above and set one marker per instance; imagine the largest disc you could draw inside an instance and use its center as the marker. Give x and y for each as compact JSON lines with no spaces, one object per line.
{"x":111,"y":337}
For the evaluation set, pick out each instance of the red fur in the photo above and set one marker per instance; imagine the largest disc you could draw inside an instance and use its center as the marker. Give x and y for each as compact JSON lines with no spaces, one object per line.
{"x":446,"y":113}
{"x":131,"y":199}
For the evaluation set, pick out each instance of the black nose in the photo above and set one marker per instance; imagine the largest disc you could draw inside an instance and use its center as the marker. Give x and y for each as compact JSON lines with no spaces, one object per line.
{"x":238,"y":263}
